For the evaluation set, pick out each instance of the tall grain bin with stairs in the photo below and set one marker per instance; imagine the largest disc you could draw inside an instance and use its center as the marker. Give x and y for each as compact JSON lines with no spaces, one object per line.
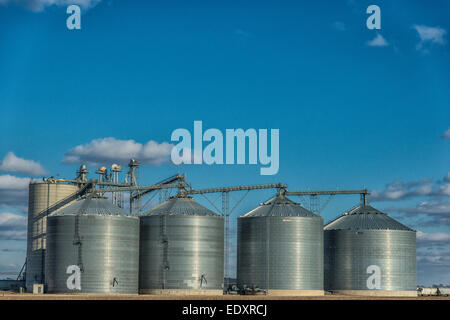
{"x":41,"y":196}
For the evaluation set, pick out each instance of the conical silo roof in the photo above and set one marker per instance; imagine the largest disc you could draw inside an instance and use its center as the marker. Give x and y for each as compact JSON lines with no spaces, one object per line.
{"x":91,"y":206}
{"x":180,"y":206}
{"x":365,"y":217}
{"x":279,"y":206}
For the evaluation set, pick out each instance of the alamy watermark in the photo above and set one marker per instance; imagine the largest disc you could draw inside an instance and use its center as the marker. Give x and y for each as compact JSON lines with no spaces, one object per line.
{"x":374,"y":280}
{"x":74,"y":280}
{"x":73,"y":22}
{"x":186,"y":152}
{"x":374,"y":20}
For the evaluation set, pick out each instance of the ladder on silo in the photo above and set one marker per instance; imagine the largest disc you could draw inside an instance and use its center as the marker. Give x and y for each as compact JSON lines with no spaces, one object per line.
{"x":165,"y":253}
{"x":77,"y":242}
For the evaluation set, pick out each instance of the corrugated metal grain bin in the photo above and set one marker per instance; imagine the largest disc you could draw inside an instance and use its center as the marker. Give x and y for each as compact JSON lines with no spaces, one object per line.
{"x":41,"y":196}
{"x":98,"y":238}
{"x":280,"y":249}
{"x":181,"y":249}
{"x":369,"y":253}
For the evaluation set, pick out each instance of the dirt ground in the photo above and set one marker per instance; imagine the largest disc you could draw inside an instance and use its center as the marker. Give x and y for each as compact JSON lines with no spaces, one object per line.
{"x":29,"y":296}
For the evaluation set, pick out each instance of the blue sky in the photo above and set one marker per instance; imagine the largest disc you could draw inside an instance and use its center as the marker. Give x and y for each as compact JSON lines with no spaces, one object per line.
{"x":350,"y":114}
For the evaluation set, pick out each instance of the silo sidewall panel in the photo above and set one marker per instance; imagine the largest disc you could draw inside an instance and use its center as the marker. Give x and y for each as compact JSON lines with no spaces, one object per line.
{"x":349,"y":254}
{"x":280,"y":253}
{"x":181,"y":252}
{"x":106,"y":248}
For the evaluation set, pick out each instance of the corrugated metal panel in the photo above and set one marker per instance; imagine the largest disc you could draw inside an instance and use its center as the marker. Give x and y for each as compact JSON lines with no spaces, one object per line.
{"x":282,"y":250}
{"x":180,"y":206}
{"x":94,"y":206}
{"x":180,"y":249}
{"x":365,"y":217}
{"x":41,"y":196}
{"x":104,"y":246}
{"x":279,"y":206}
{"x":348,"y":254}
{"x":367,"y":237}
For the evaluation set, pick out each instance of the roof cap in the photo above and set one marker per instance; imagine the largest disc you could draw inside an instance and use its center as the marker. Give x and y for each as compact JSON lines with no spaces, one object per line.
{"x":180,"y":206}
{"x":279,"y":206}
{"x":365,"y":217}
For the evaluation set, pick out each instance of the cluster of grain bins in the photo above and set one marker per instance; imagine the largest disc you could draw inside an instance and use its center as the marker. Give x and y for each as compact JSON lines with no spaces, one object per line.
{"x":93,"y":246}
{"x":284,"y":249}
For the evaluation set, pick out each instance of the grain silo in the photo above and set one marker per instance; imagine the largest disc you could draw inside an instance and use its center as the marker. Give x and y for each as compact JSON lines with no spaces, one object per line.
{"x":42,"y":195}
{"x":280,"y":249}
{"x":369,"y":253}
{"x":181,"y":249}
{"x":99,"y":240}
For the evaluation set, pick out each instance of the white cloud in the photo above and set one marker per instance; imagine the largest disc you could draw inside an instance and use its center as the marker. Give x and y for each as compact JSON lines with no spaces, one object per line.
{"x":398,"y":190}
{"x":432,"y":207}
{"x":446,"y":134}
{"x":12,"y":163}
{"x":12,"y":226}
{"x":9,"y":182}
{"x":437,"y":236}
{"x":433,"y":258}
{"x":378,"y":41}
{"x":445,"y":189}
{"x":186,"y":155}
{"x":429,"y":36}
{"x":109,"y":150}
{"x":13,"y":191}
{"x":11,"y":219}
{"x":437,"y":210}
{"x":40,"y":5}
